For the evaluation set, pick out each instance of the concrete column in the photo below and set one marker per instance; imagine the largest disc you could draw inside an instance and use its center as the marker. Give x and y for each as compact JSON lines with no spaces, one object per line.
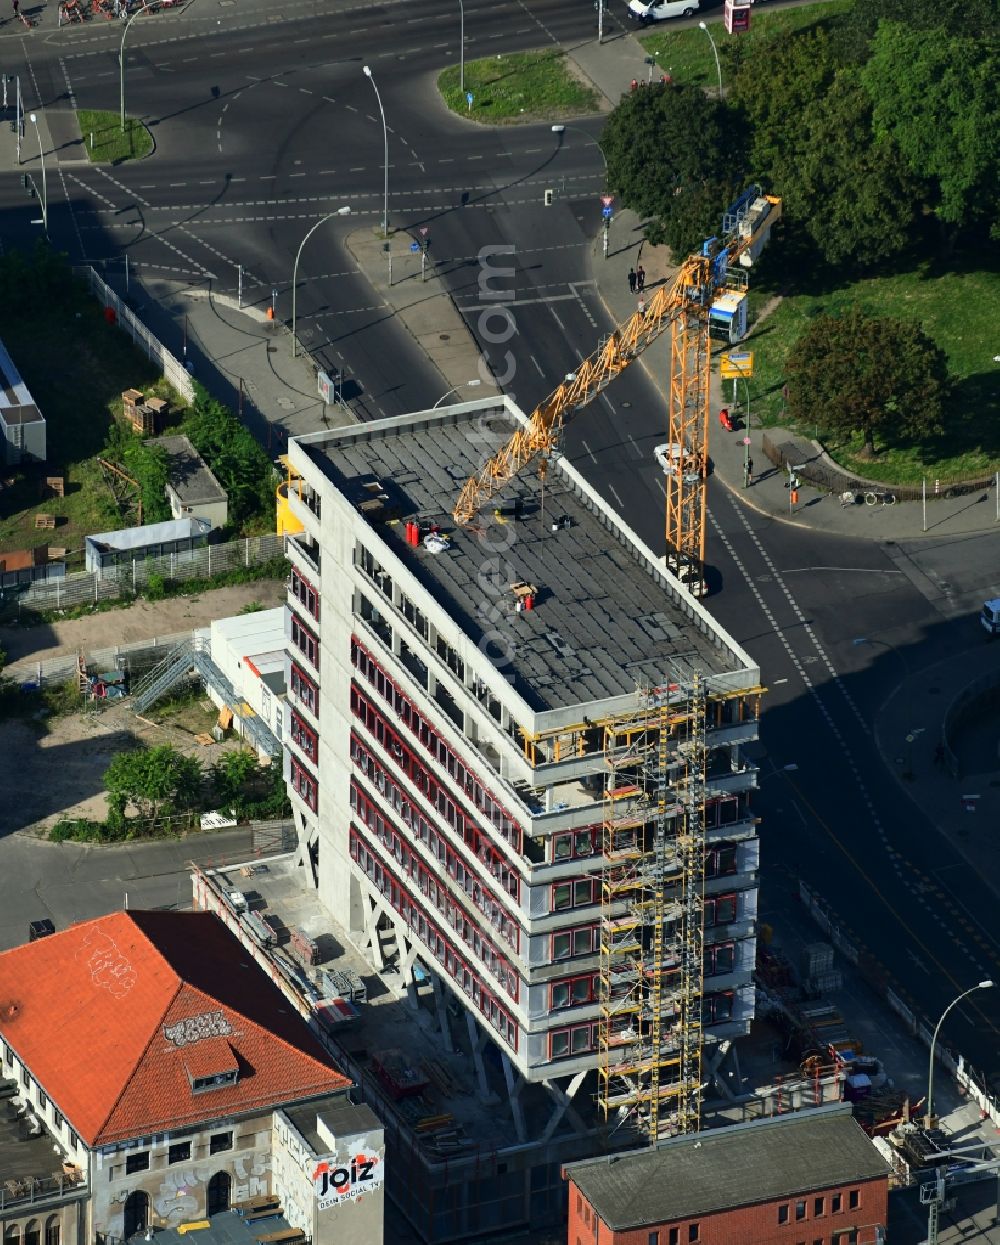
{"x":475,"y":1040}
{"x":514,"y":1083}
{"x":441,"y":1007}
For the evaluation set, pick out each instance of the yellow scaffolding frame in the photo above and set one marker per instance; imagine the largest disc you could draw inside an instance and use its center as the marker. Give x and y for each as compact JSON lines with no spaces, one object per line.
{"x":651,"y":974}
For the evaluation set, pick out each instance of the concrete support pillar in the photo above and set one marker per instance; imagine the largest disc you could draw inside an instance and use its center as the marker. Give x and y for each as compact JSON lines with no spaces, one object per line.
{"x":476,"y":1042}
{"x":514,"y":1083}
{"x":372,"y":943}
{"x":441,"y":1008}
{"x":563,"y":1106}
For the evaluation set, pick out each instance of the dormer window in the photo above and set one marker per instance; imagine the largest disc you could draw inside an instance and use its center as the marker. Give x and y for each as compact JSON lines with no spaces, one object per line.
{"x":211,"y":1065}
{"x":202,"y":1084}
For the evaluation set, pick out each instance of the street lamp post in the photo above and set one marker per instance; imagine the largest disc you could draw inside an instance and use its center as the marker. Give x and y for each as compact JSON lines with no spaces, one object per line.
{"x":461,"y":49}
{"x":561,"y":129}
{"x":385,"y":135}
{"x":45,"y":188}
{"x":344,"y":211}
{"x":466,"y":384}
{"x":863,"y":640}
{"x":715,"y":53}
{"x":121,"y":62}
{"x":929,"y":1112}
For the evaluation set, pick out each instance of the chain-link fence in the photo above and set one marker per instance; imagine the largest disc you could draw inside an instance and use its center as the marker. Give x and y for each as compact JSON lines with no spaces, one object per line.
{"x":172,"y":368}
{"x":111,"y":583}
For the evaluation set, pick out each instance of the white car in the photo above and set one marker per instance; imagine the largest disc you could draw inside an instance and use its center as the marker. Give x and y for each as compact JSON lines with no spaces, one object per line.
{"x":647,"y":11}
{"x":672,"y":456}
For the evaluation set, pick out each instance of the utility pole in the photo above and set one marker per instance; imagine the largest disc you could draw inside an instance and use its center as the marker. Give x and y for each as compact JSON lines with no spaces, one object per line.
{"x":600,"y":21}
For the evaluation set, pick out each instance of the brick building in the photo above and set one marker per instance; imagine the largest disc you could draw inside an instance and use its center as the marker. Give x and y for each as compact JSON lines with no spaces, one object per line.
{"x":805,"y":1179}
{"x":155,"y":1076}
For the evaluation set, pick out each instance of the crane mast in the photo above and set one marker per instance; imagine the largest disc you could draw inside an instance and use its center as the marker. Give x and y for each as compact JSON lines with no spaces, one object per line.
{"x":683,"y":308}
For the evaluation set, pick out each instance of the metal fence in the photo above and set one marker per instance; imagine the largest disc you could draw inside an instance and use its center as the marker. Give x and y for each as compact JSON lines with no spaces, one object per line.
{"x":172,"y":368}
{"x":134,"y":658}
{"x":111,"y":583}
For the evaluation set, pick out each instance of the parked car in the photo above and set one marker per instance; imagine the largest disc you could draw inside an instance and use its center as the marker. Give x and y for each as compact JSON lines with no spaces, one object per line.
{"x":670,"y":456}
{"x":647,"y":11}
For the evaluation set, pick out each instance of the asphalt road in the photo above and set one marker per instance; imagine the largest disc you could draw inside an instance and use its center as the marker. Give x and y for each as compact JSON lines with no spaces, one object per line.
{"x":263,"y":123}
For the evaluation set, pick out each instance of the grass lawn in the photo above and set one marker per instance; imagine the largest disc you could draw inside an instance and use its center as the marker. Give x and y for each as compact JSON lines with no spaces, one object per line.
{"x":687,"y":54}
{"x":78,"y":399}
{"x":958,"y":311}
{"x":525,"y":86}
{"x":110,"y":145}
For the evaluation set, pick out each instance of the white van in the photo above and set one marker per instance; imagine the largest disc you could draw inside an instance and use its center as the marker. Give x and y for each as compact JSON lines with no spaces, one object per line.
{"x":647,"y":11}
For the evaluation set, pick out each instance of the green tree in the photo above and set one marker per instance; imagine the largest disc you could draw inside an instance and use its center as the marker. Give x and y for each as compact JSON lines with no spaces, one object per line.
{"x":155,"y":781}
{"x":976,"y":19}
{"x":858,"y":373}
{"x":674,"y":155}
{"x":862,"y":197}
{"x":938,"y":99}
{"x":239,"y":463}
{"x":147,"y":465}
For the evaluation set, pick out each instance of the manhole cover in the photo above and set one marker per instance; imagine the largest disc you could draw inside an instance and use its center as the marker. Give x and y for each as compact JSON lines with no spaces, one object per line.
{"x":626,"y":406}
{"x":286,"y":404}
{"x":445,"y":337}
{"x":272,"y":350}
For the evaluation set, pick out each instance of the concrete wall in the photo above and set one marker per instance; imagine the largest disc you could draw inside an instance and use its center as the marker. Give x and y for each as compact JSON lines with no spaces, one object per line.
{"x":216,"y":512}
{"x":178,"y":1191}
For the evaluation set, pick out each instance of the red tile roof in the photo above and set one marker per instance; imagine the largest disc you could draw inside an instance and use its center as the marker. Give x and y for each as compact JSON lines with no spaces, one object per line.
{"x":112,"y":1015}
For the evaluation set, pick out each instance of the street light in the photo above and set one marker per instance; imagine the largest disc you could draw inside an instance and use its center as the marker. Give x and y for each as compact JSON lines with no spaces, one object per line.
{"x":466,"y":384}
{"x":45,"y":188}
{"x":560,"y":130}
{"x":929,"y":1112}
{"x":121,"y":61}
{"x":366,"y":69}
{"x":715,"y":53}
{"x":860,"y":640}
{"x":344,"y":211}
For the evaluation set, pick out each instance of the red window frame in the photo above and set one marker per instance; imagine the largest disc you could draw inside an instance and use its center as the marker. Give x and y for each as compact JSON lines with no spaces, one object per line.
{"x":572,"y":931}
{"x":303,"y":736}
{"x":433,"y":792}
{"x":304,"y":592}
{"x":574,"y":836}
{"x":304,"y":688}
{"x":583,"y":893}
{"x":577,"y":996}
{"x":712,"y":905}
{"x":305,"y":640}
{"x":568,"y":1032}
{"x":393,"y":840}
{"x":482,"y":798}
{"x":717,"y":1009}
{"x":712,"y":951}
{"x":304,"y":784}
{"x":441,"y":947}
{"x":722,"y":861}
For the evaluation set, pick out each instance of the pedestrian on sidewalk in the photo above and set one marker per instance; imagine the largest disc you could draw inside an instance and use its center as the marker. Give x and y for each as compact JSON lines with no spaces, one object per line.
{"x":640,"y":278}
{"x":632,"y":280}
{"x":748,"y":473}
{"x":641,"y":307}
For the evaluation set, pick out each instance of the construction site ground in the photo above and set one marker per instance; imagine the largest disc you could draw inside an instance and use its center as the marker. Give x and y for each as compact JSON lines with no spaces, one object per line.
{"x":143,"y":620}
{"x":54,"y":768}
{"x":389,"y":1022}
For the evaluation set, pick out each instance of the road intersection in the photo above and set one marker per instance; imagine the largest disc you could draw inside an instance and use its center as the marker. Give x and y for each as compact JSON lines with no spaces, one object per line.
{"x":264,"y":123}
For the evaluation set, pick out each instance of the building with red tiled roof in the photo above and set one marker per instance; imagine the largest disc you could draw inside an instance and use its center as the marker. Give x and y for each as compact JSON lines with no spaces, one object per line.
{"x":163,"y":1062}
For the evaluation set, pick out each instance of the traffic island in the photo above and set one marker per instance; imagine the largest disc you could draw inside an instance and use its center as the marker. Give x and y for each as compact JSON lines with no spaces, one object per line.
{"x":522,"y":87}
{"x":107,"y":143}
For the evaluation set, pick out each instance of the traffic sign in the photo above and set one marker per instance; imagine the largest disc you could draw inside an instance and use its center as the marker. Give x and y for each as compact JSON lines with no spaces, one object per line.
{"x":414,"y":246}
{"x":468,"y":98}
{"x":737,"y":363}
{"x":424,"y":231}
{"x":746,"y":440}
{"x":606,"y":213}
{"x":607,"y":200}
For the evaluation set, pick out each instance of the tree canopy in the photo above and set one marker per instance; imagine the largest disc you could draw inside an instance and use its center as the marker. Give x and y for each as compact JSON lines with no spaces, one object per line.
{"x":938,"y":99}
{"x":674,"y":156}
{"x":865,"y":374}
{"x":239,"y":463}
{"x":155,"y":781}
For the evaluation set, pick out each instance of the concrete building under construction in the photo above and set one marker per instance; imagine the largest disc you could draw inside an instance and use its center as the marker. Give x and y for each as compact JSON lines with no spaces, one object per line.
{"x":515,"y":753}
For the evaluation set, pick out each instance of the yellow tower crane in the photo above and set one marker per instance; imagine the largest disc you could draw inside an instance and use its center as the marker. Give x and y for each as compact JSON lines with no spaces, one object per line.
{"x":683,"y":307}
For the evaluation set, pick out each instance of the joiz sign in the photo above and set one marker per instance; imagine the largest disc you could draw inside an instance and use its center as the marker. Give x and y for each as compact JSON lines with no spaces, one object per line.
{"x":336,"y":1182}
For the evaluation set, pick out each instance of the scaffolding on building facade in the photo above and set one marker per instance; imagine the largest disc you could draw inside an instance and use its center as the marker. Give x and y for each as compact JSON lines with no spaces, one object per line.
{"x":652,"y":930}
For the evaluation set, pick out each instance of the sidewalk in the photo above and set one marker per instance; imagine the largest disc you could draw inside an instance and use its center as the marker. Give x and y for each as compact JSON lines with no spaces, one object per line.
{"x":612,"y":66}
